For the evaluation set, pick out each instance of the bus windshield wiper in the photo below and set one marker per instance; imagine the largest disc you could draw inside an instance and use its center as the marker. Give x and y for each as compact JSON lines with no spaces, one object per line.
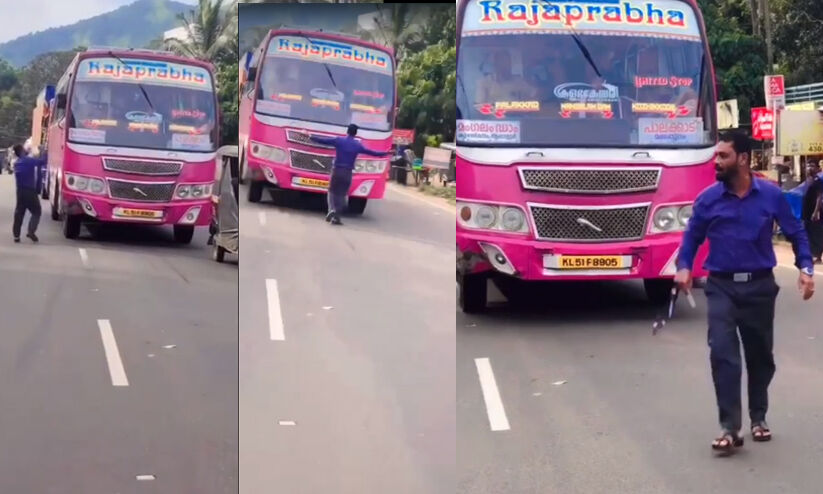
{"x":586,"y":54}
{"x":142,"y":89}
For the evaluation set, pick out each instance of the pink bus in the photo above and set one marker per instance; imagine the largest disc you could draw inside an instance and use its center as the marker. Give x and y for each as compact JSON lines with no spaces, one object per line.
{"x":585,"y":131}
{"x":301,"y":83}
{"x":132,"y":138}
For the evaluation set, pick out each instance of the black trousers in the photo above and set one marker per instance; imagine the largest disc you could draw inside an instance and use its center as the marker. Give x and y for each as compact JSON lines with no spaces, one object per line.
{"x":815,"y":231}
{"x":339,"y":185}
{"x":27,"y":200}
{"x":748,"y":308}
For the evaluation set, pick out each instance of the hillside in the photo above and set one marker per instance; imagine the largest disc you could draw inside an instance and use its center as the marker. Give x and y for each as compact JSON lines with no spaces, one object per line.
{"x":133,"y":25}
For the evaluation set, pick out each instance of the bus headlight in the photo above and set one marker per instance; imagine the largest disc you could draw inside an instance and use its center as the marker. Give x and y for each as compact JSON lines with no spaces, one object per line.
{"x":80,"y":183}
{"x":475,"y":216}
{"x":192,"y":191}
{"x":671,"y":218}
{"x":268,"y":153}
{"x":370,"y":166}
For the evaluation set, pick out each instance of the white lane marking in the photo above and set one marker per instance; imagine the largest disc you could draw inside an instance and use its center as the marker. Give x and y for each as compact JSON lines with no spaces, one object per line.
{"x":118,"y":373}
{"x":275,"y":317}
{"x":84,"y":256}
{"x":788,"y":266}
{"x":287,"y":422}
{"x":146,"y":477}
{"x":491,"y":395}
{"x":262,"y":216}
{"x":415,"y":195}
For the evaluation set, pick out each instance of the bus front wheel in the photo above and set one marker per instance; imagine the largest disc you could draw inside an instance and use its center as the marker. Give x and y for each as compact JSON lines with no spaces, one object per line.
{"x":658,"y":290}
{"x":255,"y":191}
{"x":71,"y":225}
{"x":183,"y":234}
{"x":472,"y":292}
{"x":357,"y":205}
{"x":55,"y":204}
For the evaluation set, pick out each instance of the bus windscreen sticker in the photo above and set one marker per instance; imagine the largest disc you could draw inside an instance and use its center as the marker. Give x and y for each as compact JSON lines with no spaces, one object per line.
{"x":144,"y":72}
{"x":92,"y":136}
{"x":191,"y":142}
{"x":503,"y":132}
{"x":660,"y":18}
{"x":274,"y":108}
{"x":330,"y":51}
{"x":666,"y":131}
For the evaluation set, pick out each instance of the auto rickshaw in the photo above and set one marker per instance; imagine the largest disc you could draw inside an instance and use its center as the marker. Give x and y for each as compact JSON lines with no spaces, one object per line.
{"x":224,"y":232}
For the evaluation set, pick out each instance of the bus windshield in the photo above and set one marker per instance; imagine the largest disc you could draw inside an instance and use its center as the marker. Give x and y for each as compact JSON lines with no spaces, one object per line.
{"x":328,"y":82}
{"x":583,"y":73}
{"x":108,"y":105}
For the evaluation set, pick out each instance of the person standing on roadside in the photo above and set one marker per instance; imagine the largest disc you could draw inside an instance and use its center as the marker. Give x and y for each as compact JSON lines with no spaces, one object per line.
{"x":812,"y":202}
{"x":28,"y":176}
{"x":737,"y":215}
{"x":346,"y":151}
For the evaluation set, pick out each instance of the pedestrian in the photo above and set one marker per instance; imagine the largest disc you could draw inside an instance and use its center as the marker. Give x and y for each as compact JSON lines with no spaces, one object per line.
{"x":737,"y":215}
{"x":812,"y":201}
{"x":346,"y":151}
{"x":28,"y":175}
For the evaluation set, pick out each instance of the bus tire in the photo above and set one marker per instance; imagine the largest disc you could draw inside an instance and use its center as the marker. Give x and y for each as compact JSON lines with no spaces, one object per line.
{"x":241,"y":172}
{"x":183,"y":234}
{"x":255,"y":191}
{"x":55,"y":204}
{"x":357,"y":205}
{"x":71,"y":225}
{"x":658,"y":290}
{"x":473,"y":292}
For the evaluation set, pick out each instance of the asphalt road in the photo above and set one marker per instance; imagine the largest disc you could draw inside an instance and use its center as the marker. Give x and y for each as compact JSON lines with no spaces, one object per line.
{"x":79,"y":317}
{"x":593,"y":403}
{"x":347,"y":356}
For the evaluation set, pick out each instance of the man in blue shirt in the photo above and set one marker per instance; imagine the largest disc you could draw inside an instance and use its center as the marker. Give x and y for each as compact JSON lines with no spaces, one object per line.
{"x":347,"y":148}
{"x":737,"y":215}
{"x":28,"y":176}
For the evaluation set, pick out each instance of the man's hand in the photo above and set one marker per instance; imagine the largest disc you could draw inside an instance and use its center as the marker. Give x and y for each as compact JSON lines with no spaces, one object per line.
{"x":806,"y":286}
{"x":683,"y":280}
{"x":816,"y":215}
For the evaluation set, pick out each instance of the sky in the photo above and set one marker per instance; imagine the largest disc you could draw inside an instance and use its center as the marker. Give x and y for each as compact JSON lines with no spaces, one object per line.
{"x":28,"y":16}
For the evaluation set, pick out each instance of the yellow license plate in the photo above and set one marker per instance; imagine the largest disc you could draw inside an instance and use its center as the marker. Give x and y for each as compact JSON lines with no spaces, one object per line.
{"x":591,"y":262}
{"x":311,"y":182}
{"x":139,"y":213}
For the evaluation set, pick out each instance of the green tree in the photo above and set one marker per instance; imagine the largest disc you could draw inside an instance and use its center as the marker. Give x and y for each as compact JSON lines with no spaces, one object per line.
{"x":398,"y":26}
{"x":739,"y":57}
{"x":211,"y":31}
{"x":426,"y":89}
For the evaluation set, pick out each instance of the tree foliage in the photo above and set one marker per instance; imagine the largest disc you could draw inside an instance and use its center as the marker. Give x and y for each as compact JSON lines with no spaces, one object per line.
{"x":426,"y":88}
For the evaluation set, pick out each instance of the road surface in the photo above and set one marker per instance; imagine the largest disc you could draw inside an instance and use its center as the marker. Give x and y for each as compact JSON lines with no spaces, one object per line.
{"x":595,"y":404}
{"x":91,"y":399}
{"x":347,"y":348}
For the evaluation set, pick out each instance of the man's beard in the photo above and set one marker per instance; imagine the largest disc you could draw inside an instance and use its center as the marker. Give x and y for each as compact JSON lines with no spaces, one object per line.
{"x":726,"y":175}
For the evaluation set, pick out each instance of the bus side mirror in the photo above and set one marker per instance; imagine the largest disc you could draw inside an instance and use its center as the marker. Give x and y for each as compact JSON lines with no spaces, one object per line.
{"x":252,"y":74}
{"x":61,"y":101}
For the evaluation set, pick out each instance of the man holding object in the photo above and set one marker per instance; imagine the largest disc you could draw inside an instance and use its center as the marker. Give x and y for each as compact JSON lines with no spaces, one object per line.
{"x":737,"y":215}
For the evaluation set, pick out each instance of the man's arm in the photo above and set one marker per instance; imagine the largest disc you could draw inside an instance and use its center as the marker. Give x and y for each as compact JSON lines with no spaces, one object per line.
{"x":329,"y":141}
{"x":365,"y":150}
{"x":794,"y":231}
{"x":695,"y":234}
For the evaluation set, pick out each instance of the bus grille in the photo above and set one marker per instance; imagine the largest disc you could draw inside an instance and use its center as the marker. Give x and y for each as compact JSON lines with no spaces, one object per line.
{"x":590,"y":181}
{"x":589,"y":225}
{"x":303,"y":138}
{"x":318,"y":163}
{"x":141,"y":192}
{"x":140,"y":167}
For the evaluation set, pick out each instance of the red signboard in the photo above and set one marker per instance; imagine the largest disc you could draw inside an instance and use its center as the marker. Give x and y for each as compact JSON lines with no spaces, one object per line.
{"x":403,"y":137}
{"x":775,"y":89}
{"x":762,"y":124}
